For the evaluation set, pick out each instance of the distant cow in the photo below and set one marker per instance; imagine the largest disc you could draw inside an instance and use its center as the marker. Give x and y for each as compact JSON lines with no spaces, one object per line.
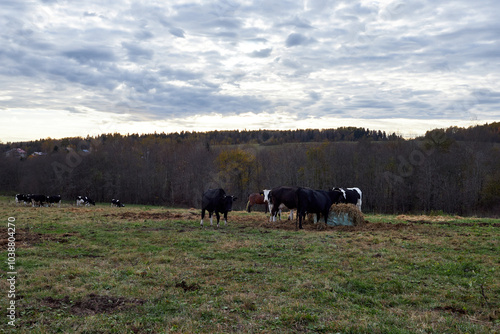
{"x":216,"y":200}
{"x":279,"y":196}
{"x":54,"y":200}
{"x":255,"y":198}
{"x":84,"y":200}
{"x":316,"y":201}
{"x":117,"y":203}
{"x":25,"y":199}
{"x":352,"y":196}
{"x":38,"y":200}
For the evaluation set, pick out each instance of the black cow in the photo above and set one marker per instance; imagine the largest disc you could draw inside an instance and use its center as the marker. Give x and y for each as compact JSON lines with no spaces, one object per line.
{"x":216,"y":200}
{"x":352,"y":196}
{"x":117,"y":203}
{"x":38,"y":200}
{"x":316,"y":201}
{"x":23,"y":198}
{"x":54,"y":199}
{"x":84,"y":200}
{"x":279,"y":196}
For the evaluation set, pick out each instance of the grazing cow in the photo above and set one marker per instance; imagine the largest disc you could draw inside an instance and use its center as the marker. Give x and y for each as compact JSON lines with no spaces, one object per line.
{"x":352,"y":196}
{"x":23,"y":198}
{"x":117,"y":203}
{"x":256,"y":198}
{"x":280,"y":196}
{"x":38,"y":200}
{"x":216,"y":200}
{"x":316,"y":201}
{"x":54,"y":199}
{"x":84,"y":200}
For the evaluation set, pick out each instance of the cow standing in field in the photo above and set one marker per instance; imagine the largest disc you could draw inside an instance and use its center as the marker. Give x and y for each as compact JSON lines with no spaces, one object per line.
{"x":256,"y":198}
{"x":84,"y":200}
{"x":25,"y":199}
{"x":117,"y":203}
{"x":316,"y":201}
{"x":352,"y":196}
{"x":54,"y":200}
{"x":282,"y":196}
{"x":267,"y":200}
{"x":38,"y":200}
{"x":216,"y":200}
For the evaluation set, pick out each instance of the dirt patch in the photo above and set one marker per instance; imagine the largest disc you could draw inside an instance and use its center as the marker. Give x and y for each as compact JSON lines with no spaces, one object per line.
{"x":167,"y":215}
{"x":92,"y":304}
{"x":26,"y":239}
{"x":367,"y":226}
{"x":187,"y":287}
{"x":432,"y":219}
{"x":443,"y":220}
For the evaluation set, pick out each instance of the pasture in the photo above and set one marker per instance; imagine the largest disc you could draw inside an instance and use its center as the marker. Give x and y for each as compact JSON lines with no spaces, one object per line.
{"x":145,"y":269}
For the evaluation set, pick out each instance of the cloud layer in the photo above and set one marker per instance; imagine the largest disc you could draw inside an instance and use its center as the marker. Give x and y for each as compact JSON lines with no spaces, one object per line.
{"x":152,"y":61}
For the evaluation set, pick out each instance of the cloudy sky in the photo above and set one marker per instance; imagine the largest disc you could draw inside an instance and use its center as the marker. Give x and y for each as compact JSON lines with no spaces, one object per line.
{"x":77,"y":68}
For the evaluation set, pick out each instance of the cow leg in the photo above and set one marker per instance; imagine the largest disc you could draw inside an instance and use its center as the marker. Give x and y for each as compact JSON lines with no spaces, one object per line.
{"x":218,"y":218}
{"x":210,"y":214}
{"x":202,"y":216}
{"x":225,"y":218}
{"x":291,"y":215}
{"x":270,"y":211}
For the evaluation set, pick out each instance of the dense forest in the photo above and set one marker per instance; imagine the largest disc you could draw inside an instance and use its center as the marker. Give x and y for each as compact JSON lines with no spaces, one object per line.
{"x":453,"y":170}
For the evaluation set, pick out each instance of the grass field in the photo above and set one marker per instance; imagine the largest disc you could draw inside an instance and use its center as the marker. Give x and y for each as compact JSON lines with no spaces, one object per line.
{"x":154,"y":270}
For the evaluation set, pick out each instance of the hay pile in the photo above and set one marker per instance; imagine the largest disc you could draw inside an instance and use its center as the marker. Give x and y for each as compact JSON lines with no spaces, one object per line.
{"x":354,"y":216}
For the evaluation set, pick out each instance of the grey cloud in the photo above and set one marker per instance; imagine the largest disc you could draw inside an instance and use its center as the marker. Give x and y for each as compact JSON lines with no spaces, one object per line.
{"x":178,"y":32}
{"x":91,"y":54}
{"x":296,"y":22}
{"x":135,"y":52}
{"x":264,"y":53}
{"x":295,"y":39}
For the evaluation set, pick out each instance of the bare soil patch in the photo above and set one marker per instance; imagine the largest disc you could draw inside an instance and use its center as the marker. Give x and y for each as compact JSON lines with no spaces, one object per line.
{"x":26,"y":239}
{"x":92,"y":304}
{"x":167,"y":215}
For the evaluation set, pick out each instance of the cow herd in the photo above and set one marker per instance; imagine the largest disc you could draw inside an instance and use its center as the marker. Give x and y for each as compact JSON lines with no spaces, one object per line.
{"x":304,"y":200}
{"x":42,"y":200}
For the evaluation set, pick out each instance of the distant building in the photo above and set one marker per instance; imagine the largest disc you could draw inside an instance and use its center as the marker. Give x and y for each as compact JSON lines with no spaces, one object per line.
{"x":16,"y":153}
{"x":37,"y":154}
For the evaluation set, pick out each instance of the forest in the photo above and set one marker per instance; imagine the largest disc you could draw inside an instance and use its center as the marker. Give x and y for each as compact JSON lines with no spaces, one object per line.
{"x":454,"y":170}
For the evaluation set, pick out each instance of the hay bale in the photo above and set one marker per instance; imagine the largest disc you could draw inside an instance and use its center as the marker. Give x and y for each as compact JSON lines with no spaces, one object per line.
{"x":345,"y":214}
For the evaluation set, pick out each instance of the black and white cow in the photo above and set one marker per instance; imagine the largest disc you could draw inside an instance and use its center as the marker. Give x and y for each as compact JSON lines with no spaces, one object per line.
{"x":352,"y":196}
{"x":38,"y":200}
{"x":23,"y":198}
{"x":281,"y":197}
{"x":84,"y":200}
{"x":117,"y":203}
{"x":267,"y":200}
{"x":56,"y":199}
{"x":216,"y":200}
{"x":316,"y":201}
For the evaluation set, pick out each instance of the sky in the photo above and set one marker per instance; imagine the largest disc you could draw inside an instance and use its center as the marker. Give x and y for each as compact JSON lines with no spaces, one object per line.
{"x":78,"y":68}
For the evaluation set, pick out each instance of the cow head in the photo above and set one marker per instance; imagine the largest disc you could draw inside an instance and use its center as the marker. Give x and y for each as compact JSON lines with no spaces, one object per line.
{"x":266,"y":192}
{"x":342,"y":191}
{"x":228,"y":202}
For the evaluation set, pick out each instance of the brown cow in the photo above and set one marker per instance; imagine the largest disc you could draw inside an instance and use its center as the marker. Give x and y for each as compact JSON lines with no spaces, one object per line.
{"x":255,"y":198}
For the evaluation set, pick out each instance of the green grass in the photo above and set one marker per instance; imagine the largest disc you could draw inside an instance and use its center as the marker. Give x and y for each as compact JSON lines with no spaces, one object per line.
{"x":154,"y":270}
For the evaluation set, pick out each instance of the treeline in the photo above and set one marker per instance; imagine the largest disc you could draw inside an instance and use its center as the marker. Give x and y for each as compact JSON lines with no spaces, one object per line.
{"x":229,"y":137}
{"x":445,"y":170}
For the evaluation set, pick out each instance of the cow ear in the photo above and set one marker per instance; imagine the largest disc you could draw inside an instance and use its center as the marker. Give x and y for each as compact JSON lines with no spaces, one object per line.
{"x":235,"y":198}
